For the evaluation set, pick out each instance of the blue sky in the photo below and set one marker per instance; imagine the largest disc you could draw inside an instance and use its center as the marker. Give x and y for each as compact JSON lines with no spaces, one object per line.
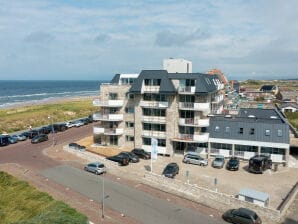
{"x":94,"y":39}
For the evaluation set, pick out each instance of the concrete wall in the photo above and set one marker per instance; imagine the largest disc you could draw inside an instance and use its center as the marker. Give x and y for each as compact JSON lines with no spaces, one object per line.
{"x":219,"y":201}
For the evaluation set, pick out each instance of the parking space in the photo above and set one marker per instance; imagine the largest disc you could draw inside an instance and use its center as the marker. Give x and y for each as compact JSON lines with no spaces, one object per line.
{"x":276,"y":184}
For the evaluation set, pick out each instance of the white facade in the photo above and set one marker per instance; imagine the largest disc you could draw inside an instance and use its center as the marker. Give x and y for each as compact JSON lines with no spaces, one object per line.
{"x":173,"y":65}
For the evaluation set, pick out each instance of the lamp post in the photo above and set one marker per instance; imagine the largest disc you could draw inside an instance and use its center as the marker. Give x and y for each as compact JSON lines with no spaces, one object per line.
{"x":103,"y":197}
{"x":53,"y":131}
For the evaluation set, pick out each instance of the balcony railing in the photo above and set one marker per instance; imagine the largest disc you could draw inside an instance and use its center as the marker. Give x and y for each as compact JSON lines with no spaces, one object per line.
{"x":107,"y":117}
{"x":158,"y":104}
{"x":194,"y":122}
{"x":150,"y":89}
{"x":107,"y":103}
{"x":108,"y":131}
{"x":205,"y":107}
{"x":154,"y":119}
{"x":157,"y":134}
{"x":187,"y":89}
{"x":200,"y":138}
{"x":160,"y":149}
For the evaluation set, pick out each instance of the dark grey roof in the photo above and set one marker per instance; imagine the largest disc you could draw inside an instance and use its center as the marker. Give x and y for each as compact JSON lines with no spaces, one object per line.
{"x":166,"y":86}
{"x":116,"y":79}
{"x":204,"y":83}
{"x":258,"y":125}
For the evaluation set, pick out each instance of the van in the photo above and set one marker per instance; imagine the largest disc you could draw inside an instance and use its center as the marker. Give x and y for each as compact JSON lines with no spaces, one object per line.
{"x":259,"y":163}
{"x":4,"y":140}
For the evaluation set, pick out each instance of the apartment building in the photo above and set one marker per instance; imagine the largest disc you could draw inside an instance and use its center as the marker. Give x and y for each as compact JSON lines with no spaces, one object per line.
{"x":171,"y":107}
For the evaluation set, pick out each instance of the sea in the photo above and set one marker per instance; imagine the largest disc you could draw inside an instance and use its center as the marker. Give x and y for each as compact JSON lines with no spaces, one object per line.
{"x":16,"y":93}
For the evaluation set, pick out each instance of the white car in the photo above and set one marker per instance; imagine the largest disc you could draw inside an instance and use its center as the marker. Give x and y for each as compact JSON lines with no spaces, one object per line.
{"x":70,"y":124}
{"x":78,"y":124}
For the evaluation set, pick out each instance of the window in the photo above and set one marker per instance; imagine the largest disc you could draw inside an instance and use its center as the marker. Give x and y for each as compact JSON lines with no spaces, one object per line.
{"x":129,"y":96}
{"x":160,"y":142}
{"x":217,"y":128}
{"x":267,"y":132}
{"x":152,"y":82}
{"x":252,"y":131}
{"x":279,"y":133}
{"x":241,"y":131}
{"x":154,"y":127}
{"x":129,"y":124}
{"x":154,"y":112}
{"x":129,"y":138}
{"x":129,"y":110}
{"x":113,"y":96}
{"x":227,"y":129}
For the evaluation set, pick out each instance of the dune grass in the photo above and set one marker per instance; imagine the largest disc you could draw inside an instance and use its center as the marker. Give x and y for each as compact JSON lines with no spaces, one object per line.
{"x":21,"y":118}
{"x":293,"y":118}
{"x":20,"y":203}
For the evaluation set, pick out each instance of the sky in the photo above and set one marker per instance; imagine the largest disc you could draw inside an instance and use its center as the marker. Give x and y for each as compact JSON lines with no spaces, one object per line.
{"x":95,"y":39}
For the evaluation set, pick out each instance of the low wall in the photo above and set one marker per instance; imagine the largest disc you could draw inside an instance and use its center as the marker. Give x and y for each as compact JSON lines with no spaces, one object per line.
{"x":217,"y":200}
{"x":288,"y":200}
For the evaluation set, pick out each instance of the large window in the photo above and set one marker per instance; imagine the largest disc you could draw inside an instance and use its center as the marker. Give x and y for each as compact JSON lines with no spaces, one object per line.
{"x":247,"y":148}
{"x":270,"y":150}
{"x":187,"y":98}
{"x":154,"y":127}
{"x":152,"y":82}
{"x":160,"y":142}
{"x":129,"y":138}
{"x":154,"y":97}
{"x":113,"y":96}
{"x":186,"y":130}
{"x":221,"y":146}
{"x":186,"y":114}
{"x":129,"y":124}
{"x":154,"y":112}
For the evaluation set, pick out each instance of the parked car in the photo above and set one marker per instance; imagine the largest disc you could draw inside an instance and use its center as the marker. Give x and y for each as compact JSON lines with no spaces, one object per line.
{"x":44,"y":130}
{"x":4,"y":140}
{"x":78,"y":123}
{"x":141,"y":153}
{"x":241,"y":216}
{"x":171,"y":170}
{"x":39,"y":138}
{"x":233,"y":164}
{"x":20,"y":137}
{"x":58,"y":127}
{"x":30,"y":134}
{"x":259,"y":163}
{"x":69,"y":124}
{"x":96,"y":167}
{"x":194,"y":158}
{"x":121,"y":159}
{"x":12,"y":140}
{"x":218,"y":162}
{"x":132,"y":157}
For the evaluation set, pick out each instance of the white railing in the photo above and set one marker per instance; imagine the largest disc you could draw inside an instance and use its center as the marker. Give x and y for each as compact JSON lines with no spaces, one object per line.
{"x":108,"y":117}
{"x":154,"y":119}
{"x":158,"y":134}
{"x":204,"y":122}
{"x":159,"y":104}
{"x":186,"y":89}
{"x":160,"y":150}
{"x":194,"y":122}
{"x":203,"y":137}
{"x":108,"y":131}
{"x":150,"y":89}
{"x":205,"y":107}
{"x":186,"y":105}
{"x":220,"y":86}
{"x":108,"y":103}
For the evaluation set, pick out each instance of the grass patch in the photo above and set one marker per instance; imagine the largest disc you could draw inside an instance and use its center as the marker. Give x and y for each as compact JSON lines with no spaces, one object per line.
{"x":293,"y":118}
{"x":21,"y":118}
{"x":20,"y":203}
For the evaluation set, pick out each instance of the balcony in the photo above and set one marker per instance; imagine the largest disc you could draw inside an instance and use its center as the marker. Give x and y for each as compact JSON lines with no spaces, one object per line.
{"x":194,"y":122}
{"x":154,"y":119}
{"x":198,"y":138}
{"x":156,"y":104}
{"x":186,"y":89}
{"x":156,"y":134}
{"x":108,"y":103}
{"x":220,"y":86}
{"x":160,"y":150}
{"x":204,"y":107}
{"x":107,"y":117}
{"x":150,"y":89}
{"x":107,"y":131}
{"x":218,"y":99}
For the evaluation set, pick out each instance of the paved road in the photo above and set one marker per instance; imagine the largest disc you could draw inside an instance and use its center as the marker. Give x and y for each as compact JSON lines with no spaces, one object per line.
{"x":127,"y":200}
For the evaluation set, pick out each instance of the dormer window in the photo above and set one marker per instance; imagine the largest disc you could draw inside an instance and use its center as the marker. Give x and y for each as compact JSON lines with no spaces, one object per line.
{"x":267,"y":132}
{"x":227,"y":129}
{"x":252,"y":131}
{"x":241,"y":131}
{"x":216,"y":129}
{"x":279,"y":133}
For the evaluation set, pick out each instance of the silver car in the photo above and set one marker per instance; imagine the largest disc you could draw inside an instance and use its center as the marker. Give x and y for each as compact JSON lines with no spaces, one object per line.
{"x":96,"y":167}
{"x":195,"y":159}
{"x":218,"y":162}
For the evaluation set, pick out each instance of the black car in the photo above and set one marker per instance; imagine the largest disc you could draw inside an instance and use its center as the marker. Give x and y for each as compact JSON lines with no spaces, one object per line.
{"x":76,"y":146}
{"x":121,"y":159}
{"x":241,"y":216}
{"x":4,"y":140}
{"x":44,"y":130}
{"x":58,"y":127}
{"x":132,"y":157}
{"x":171,"y":170}
{"x":233,"y":164}
{"x":30,"y":134}
{"x":141,"y":153}
{"x":259,"y":163}
{"x":39,"y":138}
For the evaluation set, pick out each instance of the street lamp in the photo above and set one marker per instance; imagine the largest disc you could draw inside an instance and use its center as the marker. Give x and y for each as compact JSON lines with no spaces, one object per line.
{"x":53,"y":131}
{"x":103,"y":197}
